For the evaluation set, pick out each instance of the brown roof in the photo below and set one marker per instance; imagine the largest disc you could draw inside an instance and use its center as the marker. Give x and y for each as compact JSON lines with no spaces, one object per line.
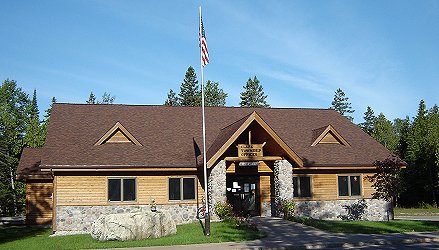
{"x":169,"y":135}
{"x":29,"y":165}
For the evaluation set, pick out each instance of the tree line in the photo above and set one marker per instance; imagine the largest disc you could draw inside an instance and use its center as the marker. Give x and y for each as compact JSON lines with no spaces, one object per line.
{"x":415,"y":141}
{"x":190,"y":93}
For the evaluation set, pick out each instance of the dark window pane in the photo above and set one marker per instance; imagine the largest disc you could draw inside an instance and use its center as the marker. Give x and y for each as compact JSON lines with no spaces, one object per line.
{"x":114,"y":189}
{"x":305,"y":186}
{"x":355,"y":185}
{"x":296,"y":187}
{"x":129,"y":189}
{"x":188,"y":188}
{"x":343,"y":186}
{"x":174,"y":189}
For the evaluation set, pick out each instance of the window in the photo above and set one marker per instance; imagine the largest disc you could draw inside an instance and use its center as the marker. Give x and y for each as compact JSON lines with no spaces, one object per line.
{"x":122,"y":189}
{"x":349,"y":185}
{"x":302,"y":186}
{"x":182,"y":188}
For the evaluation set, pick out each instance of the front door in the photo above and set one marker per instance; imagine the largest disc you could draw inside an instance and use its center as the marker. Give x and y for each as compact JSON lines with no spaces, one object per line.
{"x":243,"y":194}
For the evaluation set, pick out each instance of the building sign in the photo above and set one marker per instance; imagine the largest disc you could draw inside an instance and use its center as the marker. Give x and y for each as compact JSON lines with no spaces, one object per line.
{"x":248,"y":163}
{"x":250,"y":150}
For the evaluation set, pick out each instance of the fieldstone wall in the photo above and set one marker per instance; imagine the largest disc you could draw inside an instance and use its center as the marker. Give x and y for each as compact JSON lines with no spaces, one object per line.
{"x":266,"y":209}
{"x":217,"y":186}
{"x":283,"y":180}
{"x":367,"y":209}
{"x":80,"y":218}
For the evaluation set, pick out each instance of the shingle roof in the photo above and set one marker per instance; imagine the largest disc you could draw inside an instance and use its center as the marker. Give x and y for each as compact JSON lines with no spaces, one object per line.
{"x":168,"y":134}
{"x":29,"y":165}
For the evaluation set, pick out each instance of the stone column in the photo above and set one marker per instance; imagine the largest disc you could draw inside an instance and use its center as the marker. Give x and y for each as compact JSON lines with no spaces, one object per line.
{"x":217,"y":186}
{"x":283,"y":180}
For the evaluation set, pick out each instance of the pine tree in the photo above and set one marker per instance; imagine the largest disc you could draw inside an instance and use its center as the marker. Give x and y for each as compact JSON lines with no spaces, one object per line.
{"x":34,"y":136}
{"x":384,"y":134}
{"x":190,"y":94}
{"x":172,"y":99}
{"x":421,"y":152}
{"x":91,"y":98}
{"x":14,"y":105}
{"x":214,"y":96}
{"x":253,"y":95}
{"x":107,"y":99}
{"x":369,"y":119}
{"x":47,"y":117}
{"x":341,"y":104}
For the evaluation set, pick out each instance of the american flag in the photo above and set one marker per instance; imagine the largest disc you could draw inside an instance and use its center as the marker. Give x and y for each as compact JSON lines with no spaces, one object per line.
{"x":203,"y":45}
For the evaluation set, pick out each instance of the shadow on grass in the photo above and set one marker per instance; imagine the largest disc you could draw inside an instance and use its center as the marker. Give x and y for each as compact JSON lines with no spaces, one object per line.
{"x":12,"y":233}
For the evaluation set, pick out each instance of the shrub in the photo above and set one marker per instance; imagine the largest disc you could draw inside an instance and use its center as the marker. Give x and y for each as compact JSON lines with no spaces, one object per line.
{"x":223,"y":210}
{"x":286,"y":208}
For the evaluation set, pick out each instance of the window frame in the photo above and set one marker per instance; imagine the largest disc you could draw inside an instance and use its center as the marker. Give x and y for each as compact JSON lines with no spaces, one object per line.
{"x":360,"y":176}
{"x":299,"y":191}
{"x":181,"y":180}
{"x":121,"y":179}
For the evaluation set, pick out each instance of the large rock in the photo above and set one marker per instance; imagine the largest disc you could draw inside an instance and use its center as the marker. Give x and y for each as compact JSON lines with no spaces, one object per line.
{"x":133,"y":226}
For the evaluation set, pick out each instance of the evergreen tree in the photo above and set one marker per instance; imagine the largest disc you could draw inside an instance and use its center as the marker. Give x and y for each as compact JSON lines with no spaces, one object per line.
{"x":14,"y":104}
{"x":369,"y":119}
{"x":172,"y":99}
{"x":421,"y":154}
{"x":91,"y":98}
{"x":190,"y":94}
{"x":401,"y":127}
{"x":34,"y":135}
{"x":341,"y":104}
{"x":384,"y":134}
{"x":47,"y":117}
{"x":253,"y":95}
{"x":107,"y":99}
{"x":213,"y":95}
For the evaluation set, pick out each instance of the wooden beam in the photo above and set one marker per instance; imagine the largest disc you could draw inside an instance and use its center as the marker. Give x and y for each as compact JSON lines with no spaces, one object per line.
{"x":260,"y":158}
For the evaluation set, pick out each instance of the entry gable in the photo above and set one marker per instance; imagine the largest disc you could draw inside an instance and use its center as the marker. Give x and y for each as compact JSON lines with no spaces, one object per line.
{"x":328,"y":135}
{"x":230,"y":134}
{"x":118,"y":134}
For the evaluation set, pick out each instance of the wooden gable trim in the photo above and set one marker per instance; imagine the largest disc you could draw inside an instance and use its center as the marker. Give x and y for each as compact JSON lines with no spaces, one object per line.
{"x":125,"y":132}
{"x":330,"y":129}
{"x":255,"y":117}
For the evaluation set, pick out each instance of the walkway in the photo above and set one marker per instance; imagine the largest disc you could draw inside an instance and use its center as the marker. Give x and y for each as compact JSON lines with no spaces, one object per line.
{"x":282,"y":234}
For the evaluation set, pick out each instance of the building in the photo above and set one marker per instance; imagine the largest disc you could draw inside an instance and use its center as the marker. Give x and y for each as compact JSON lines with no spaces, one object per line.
{"x":119,"y":158}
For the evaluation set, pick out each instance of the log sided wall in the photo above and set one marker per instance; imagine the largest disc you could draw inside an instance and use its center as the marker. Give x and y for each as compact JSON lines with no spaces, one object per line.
{"x":39,"y":204}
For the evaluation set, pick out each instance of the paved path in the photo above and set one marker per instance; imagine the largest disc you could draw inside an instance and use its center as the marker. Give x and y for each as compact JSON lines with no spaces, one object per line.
{"x":283,"y":234}
{"x":418,"y":217}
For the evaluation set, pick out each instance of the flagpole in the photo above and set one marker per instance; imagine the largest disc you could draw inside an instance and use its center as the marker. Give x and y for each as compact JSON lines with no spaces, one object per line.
{"x":206,"y":197}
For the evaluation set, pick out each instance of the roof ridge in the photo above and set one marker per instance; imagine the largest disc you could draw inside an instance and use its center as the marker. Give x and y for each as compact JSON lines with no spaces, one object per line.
{"x":209,"y":107}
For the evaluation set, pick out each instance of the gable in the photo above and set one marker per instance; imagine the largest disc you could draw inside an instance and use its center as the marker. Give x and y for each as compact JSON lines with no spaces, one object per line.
{"x":328,"y":135}
{"x":118,"y":134}
{"x":256,"y":123}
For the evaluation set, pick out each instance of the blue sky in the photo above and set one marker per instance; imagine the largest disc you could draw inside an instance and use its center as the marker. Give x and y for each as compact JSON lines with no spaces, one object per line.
{"x":383,"y":54}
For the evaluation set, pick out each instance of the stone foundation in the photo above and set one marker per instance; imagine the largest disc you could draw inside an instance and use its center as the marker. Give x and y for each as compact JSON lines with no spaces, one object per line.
{"x":373,"y":209}
{"x":80,"y":218}
{"x":217,"y":187}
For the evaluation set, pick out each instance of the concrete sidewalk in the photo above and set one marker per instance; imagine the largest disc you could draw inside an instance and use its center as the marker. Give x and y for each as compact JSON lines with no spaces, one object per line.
{"x":283,"y":234}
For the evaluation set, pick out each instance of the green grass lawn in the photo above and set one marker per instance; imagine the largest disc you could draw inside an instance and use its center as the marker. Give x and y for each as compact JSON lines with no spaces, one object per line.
{"x":371,"y":227}
{"x":21,"y":237}
{"x":416,"y":211}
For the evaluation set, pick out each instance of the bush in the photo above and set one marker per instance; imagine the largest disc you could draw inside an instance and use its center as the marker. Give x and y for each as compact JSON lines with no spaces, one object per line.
{"x":223,"y":210}
{"x":286,"y":208}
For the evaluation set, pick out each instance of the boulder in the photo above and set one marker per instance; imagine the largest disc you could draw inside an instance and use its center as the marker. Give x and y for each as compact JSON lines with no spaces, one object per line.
{"x":133,"y":226}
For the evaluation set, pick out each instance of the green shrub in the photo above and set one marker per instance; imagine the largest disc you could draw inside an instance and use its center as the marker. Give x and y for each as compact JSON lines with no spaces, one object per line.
{"x":223,"y":210}
{"x":286,"y":208}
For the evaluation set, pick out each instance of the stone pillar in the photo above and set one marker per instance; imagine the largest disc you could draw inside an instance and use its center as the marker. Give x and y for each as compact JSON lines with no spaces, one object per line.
{"x":217,"y":186}
{"x":283,"y":181}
